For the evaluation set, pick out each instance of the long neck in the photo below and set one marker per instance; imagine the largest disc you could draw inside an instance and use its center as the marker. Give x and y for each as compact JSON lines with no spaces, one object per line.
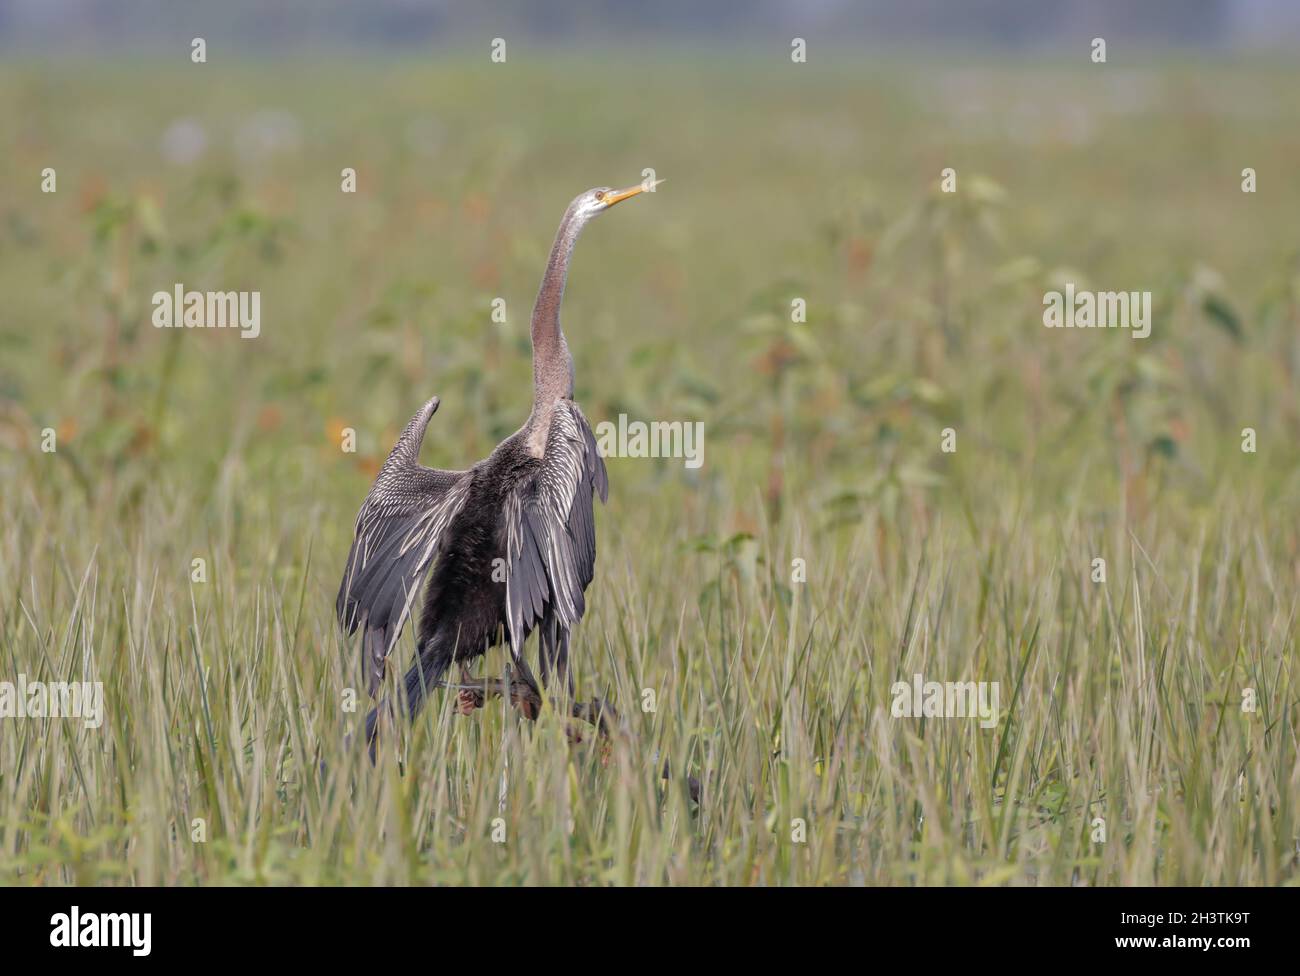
{"x":552,"y":365}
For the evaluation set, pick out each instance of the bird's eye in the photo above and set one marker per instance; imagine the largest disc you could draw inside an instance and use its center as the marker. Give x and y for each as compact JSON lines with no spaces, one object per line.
{"x":600,"y":194}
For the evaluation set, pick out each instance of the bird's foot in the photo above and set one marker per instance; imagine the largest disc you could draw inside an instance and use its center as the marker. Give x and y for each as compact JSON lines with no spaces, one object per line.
{"x":467,"y":700}
{"x":472,"y":692}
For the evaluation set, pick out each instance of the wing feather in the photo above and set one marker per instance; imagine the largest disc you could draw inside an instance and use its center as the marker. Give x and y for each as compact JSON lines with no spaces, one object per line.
{"x":551,"y":535}
{"x":398,"y":532}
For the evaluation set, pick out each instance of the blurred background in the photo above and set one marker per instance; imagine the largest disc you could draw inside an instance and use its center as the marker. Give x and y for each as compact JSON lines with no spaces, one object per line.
{"x":280,"y":24}
{"x":814,"y":181}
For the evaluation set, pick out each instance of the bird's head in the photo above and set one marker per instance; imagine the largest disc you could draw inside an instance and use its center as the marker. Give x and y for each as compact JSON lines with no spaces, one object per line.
{"x":599,"y":199}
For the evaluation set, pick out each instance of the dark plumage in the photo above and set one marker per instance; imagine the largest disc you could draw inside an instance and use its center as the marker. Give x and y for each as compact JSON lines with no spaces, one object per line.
{"x":512,"y":540}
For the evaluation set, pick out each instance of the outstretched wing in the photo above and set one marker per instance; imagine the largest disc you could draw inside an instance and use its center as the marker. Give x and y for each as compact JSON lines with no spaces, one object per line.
{"x":398,"y":531}
{"x":551,"y":532}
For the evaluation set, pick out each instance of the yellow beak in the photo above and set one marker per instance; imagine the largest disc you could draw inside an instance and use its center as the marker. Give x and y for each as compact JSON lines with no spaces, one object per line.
{"x":618,"y":196}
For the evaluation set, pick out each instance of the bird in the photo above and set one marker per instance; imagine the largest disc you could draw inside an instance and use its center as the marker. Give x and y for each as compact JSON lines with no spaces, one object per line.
{"x":511,"y":540}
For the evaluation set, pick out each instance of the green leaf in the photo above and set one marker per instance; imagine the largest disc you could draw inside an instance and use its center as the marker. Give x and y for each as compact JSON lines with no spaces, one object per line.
{"x":1223,"y":315}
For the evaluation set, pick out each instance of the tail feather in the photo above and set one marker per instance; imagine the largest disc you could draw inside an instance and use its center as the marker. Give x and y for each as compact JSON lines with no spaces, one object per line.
{"x":425,"y":675}
{"x":428,"y":671}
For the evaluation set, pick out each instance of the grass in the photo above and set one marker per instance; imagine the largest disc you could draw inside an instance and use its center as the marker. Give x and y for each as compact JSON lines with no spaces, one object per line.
{"x":1121,"y":701}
